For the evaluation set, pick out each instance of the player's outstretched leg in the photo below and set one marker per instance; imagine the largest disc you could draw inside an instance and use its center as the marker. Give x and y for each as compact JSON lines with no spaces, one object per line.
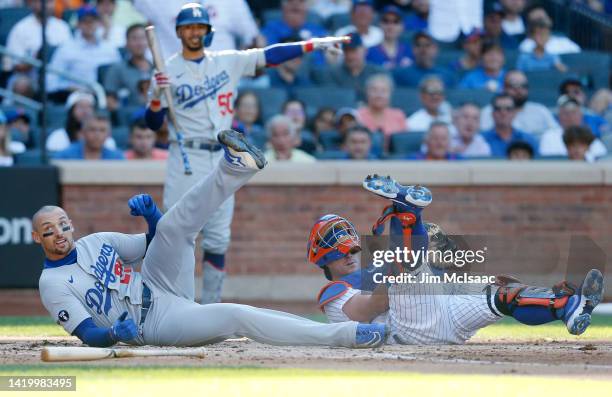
{"x":535,"y":305}
{"x":175,"y":321}
{"x":170,"y":263}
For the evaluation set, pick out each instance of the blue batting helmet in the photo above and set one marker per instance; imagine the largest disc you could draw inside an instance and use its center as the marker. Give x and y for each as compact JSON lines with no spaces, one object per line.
{"x":194,"y":13}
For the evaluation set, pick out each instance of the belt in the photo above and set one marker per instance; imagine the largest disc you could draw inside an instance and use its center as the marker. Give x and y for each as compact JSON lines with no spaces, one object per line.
{"x":146,"y":303}
{"x":196,"y":144}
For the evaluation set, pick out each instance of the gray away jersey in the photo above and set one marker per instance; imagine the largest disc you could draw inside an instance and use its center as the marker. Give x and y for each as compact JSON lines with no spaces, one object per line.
{"x":98,"y":285}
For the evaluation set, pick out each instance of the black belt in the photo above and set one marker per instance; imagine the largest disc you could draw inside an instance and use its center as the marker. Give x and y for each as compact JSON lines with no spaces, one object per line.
{"x":146,"y":303}
{"x":210,"y":146}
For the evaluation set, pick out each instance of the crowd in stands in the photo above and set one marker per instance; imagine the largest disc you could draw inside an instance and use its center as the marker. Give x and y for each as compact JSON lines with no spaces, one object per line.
{"x":419,"y":80}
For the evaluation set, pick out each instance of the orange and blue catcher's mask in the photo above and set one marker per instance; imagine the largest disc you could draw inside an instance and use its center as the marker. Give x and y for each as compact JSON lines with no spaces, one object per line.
{"x":332,"y":237}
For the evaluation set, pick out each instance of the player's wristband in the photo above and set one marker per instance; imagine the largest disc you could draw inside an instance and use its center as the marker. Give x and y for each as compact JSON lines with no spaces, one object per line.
{"x":308,"y":46}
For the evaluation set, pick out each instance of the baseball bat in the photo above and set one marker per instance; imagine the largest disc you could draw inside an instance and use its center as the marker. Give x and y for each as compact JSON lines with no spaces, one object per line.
{"x":160,"y":65}
{"x":61,"y":353}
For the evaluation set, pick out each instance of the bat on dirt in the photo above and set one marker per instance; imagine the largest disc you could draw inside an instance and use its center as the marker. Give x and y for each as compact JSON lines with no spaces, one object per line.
{"x":68,"y":353}
{"x":160,"y":65}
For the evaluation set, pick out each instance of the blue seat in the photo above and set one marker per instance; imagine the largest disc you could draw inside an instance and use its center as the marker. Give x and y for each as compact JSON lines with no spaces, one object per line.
{"x":121,"y":136}
{"x":406,"y":142}
{"x":330,"y":140}
{"x":331,"y":155}
{"x":8,"y":18}
{"x":593,"y":65}
{"x":552,"y":158}
{"x":333,"y":97}
{"x":29,"y":157}
{"x":545,"y":97}
{"x":545,"y":80}
{"x":406,"y":99}
{"x":458,"y":96}
{"x":271,"y":100}
{"x":56,"y":116}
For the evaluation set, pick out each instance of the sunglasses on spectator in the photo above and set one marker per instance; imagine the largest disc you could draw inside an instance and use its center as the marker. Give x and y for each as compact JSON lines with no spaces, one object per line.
{"x":517,"y":85}
{"x":390,"y":20}
{"x":503,"y":108}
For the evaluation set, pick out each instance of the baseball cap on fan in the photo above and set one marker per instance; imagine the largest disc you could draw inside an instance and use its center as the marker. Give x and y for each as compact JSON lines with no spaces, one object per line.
{"x":357,"y":3}
{"x":78,"y":96}
{"x":87,"y":11}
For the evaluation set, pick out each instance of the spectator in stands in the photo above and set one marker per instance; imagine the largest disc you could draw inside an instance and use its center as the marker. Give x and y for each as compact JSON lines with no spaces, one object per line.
{"x":142,"y":143}
{"x":354,"y":70}
{"x":358,"y":144}
{"x":94,"y":132}
{"x":81,"y":56}
{"x":601,"y":104}
{"x":296,"y":111}
{"x":437,"y":143}
{"x":25,"y":38}
{"x":435,"y":108}
{"x":490,"y":75}
{"x":553,"y":44}
{"x":109,"y":30}
{"x":417,"y":19}
{"x":289,"y":74}
{"x":80,"y":106}
{"x":323,"y":121}
{"x":468,"y":142}
{"x":11,"y":3}
{"x":448,"y":19}
{"x":20,"y":127}
{"x":472,"y":53}
{"x":570,"y":115}
{"x":391,"y":53}
{"x":425,"y":52}
{"x":520,"y":151}
{"x":577,"y":140}
{"x":362,"y":17}
{"x":503,"y":134}
{"x":121,"y":81}
{"x":328,"y":8}
{"x":493,"y":30}
{"x":531,"y":117}
{"x":247,"y":114}
{"x":539,"y":59}
{"x":377,"y":115}
{"x":8,"y":147}
{"x":574,"y":88}
{"x":20,"y":84}
{"x":512,"y":22}
{"x":283,"y":137}
{"x":293,"y":22}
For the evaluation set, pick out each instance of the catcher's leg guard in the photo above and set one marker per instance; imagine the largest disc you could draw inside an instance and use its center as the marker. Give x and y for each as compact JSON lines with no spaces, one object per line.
{"x":533,"y":305}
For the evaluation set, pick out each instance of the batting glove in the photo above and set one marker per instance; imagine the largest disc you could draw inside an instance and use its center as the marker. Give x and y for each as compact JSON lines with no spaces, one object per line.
{"x":142,"y":205}
{"x":331,"y":44}
{"x":124,"y":330}
{"x":162,"y":81}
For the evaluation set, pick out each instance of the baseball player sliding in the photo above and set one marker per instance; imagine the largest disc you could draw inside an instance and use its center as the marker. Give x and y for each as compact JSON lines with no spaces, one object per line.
{"x":426,"y":313}
{"x":203,"y":86}
{"x":89,"y":287}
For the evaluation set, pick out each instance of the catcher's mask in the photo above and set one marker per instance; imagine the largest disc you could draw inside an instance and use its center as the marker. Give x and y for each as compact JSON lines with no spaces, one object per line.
{"x":332,"y":237}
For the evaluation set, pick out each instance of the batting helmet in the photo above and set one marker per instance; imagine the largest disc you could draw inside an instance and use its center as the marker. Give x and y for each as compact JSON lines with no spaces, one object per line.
{"x":332,"y":237}
{"x":194,"y":13}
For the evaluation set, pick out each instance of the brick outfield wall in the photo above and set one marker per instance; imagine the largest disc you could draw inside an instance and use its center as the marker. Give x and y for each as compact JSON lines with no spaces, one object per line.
{"x":271,"y":223}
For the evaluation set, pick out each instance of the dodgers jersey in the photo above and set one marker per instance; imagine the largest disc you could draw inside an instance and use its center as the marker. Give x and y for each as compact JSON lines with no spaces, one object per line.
{"x":335,"y":294}
{"x":204,"y":92}
{"x":92,"y":281}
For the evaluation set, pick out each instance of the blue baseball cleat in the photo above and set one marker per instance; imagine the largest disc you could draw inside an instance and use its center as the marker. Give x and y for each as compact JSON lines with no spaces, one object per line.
{"x":407,"y":197}
{"x":370,"y":335}
{"x":239,"y":151}
{"x":580,"y":306}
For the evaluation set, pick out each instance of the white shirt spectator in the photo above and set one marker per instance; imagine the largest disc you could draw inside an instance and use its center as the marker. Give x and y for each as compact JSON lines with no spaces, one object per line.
{"x":534,"y":118}
{"x":58,"y":140}
{"x":116,"y":35}
{"x":81,"y":59}
{"x":25,"y":37}
{"x":231,"y":19}
{"x":448,"y":19}
{"x":556,"y":45}
{"x":11,"y":3}
{"x":477,"y":148}
{"x":551,"y":144}
{"x":373,"y":38}
{"x":513,"y":27}
{"x":327,"y":8}
{"x":420,"y":120}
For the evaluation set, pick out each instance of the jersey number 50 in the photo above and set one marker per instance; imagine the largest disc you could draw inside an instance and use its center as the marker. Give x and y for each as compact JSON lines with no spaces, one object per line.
{"x":225,"y":103}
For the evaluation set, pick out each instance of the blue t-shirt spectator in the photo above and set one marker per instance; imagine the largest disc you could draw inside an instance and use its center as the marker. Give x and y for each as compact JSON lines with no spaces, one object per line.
{"x":412,"y":75}
{"x":76,"y":151}
{"x":596,"y":123}
{"x":415,"y":23}
{"x":478,"y":79}
{"x":378,"y":56}
{"x":530,"y":62}
{"x":499,"y":147}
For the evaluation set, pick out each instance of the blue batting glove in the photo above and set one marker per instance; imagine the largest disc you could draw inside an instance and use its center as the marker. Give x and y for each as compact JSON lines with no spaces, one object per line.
{"x":124,"y":330}
{"x":142,"y":205}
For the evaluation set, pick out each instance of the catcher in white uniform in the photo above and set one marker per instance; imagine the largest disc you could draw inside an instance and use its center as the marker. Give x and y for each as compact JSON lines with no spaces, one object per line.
{"x":203,"y":86}
{"x":89,"y":287}
{"x":430,"y":313}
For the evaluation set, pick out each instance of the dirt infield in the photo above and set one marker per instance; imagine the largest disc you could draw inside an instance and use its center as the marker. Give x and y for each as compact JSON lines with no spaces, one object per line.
{"x":545,"y":357}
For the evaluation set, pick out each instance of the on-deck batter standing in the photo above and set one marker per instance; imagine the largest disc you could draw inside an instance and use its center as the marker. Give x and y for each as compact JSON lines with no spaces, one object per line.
{"x":89,"y":288}
{"x":430,"y":313}
{"x":203,"y":86}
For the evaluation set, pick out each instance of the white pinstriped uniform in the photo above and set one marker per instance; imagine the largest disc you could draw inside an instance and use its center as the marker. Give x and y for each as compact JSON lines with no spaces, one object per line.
{"x":335,"y":313}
